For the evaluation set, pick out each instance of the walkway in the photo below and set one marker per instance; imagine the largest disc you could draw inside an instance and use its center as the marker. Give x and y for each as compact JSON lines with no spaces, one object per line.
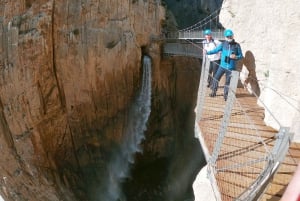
{"x":239,"y":149}
{"x":246,"y":160}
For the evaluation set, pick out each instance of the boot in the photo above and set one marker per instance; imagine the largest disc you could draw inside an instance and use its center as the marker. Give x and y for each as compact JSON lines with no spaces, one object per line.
{"x":212,"y":94}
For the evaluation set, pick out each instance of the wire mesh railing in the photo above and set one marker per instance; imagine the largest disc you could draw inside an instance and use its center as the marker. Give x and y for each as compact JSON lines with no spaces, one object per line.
{"x":194,"y":34}
{"x":213,"y":17}
{"x":242,"y":153}
{"x":182,"y":48}
{"x":199,"y":34}
{"x":196,"y":31}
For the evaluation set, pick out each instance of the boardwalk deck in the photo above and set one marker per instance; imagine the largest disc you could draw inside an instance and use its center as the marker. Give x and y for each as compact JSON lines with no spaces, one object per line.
{"x":245,"y":146}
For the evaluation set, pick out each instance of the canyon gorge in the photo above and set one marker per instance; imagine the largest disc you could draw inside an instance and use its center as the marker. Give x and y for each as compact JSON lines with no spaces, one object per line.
{"x":71,"y":71}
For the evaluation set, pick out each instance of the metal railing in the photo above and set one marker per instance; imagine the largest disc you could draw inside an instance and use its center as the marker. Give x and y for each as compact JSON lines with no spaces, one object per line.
{"x":194,"y":34}
{"x":242,"y":157}
{"x":183,"y":48}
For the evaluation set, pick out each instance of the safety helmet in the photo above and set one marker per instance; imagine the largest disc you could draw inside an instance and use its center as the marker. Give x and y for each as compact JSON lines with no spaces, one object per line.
{"x":207,"y":32}
{"x":228,"y":32}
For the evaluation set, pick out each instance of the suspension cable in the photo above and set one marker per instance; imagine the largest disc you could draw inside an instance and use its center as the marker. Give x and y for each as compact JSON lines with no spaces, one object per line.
{"x":203,"y":22}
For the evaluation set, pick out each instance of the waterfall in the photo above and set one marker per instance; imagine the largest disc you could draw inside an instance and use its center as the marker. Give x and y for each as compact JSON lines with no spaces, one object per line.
{"x":119,"y":166}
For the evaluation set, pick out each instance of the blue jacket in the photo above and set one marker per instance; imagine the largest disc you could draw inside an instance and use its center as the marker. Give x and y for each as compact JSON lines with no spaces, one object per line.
{"x":226,"y":49}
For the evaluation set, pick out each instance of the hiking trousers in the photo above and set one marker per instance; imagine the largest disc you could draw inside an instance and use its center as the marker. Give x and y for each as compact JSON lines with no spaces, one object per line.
{"x":217,"y":77}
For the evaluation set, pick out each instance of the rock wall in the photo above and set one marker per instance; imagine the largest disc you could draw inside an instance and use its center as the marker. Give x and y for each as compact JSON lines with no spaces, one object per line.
{"x":69,"y":69}
{"x":268,"y":34}
{"x":171,"y":155}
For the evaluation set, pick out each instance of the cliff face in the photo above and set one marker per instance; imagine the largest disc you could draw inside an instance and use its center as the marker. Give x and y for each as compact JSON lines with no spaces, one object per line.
{"x":68,"y":70}
{"x":268,"y":33}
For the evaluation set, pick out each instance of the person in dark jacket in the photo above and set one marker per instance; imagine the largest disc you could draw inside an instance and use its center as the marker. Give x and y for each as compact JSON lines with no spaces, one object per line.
{"x":230,"y":53}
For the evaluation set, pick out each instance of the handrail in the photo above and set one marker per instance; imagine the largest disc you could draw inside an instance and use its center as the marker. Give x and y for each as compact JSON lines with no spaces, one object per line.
{"x":194,"y":35}
{"x":222,"y":158}
{"x":198,"y":34}
{"x":183,"y":49}
{"x":251,"y":152}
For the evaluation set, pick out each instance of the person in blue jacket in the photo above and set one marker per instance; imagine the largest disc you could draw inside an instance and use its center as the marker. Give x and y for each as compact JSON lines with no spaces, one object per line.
{"x":230,"y":53}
